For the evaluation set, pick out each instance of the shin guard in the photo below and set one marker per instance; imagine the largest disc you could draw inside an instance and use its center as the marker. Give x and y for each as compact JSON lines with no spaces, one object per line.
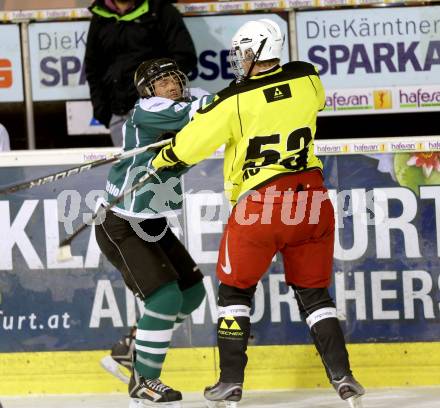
{"x":233,"y":329}
{"x":319,"y":311}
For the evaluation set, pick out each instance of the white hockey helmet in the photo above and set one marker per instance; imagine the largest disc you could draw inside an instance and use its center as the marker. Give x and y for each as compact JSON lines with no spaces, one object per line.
{"x":263,"y":37}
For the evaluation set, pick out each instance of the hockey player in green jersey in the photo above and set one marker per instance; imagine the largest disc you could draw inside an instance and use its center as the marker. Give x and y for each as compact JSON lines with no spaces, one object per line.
{"x":135,"y":236}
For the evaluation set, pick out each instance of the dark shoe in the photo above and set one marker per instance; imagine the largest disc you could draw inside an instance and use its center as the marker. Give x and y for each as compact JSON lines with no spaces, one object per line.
{"x":146,"y":392}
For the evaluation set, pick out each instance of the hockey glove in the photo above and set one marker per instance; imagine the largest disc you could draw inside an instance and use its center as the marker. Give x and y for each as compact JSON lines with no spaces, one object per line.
{"x":167,"y":159}
{"x":164,"y":136}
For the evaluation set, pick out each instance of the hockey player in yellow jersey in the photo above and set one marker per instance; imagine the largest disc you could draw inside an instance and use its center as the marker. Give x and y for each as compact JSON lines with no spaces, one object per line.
{"x":267,"y":121}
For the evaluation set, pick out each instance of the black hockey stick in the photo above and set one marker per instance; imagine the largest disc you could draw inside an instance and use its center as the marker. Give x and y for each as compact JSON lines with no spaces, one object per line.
{"x":64,"y":250}
{"x":80,"y":169}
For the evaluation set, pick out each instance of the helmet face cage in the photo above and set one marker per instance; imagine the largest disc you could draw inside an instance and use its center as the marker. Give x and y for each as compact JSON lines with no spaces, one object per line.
{"x":177,"y":76}
{"x":151,"y":71}
{"x":236,"y":59}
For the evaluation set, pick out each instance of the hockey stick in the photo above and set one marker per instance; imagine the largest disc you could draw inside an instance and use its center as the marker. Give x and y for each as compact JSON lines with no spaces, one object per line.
{"x":64,"y":249}
{"x":79,"y":169}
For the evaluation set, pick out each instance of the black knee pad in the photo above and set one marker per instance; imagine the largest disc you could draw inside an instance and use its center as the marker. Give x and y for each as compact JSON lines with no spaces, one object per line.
{"x":311,"y":299}
{"x":230,"y":295}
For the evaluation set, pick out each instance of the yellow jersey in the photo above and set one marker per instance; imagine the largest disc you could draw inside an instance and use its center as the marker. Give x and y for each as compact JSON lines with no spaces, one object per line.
{"x":267,"y":124}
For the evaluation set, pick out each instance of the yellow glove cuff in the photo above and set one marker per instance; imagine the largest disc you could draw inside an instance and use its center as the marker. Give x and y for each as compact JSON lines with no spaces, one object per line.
{"x":158,"y":162}
{"x":162,"y":159}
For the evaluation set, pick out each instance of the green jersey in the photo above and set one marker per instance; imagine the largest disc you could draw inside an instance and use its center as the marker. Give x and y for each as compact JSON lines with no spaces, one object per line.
{"x":151,"y":118}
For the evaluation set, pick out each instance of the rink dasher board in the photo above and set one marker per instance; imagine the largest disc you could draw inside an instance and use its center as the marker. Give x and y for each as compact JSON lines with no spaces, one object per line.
{"x":191,"y":369}
{"x":405,"y":326}
{"x":403,"y":144}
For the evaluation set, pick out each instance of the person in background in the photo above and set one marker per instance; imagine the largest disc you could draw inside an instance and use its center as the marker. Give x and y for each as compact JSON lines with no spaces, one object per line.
{"x":4,"y":139}
{"x":267,"y":121}
{"x":135,"y":236}
{"x":122,"y":34}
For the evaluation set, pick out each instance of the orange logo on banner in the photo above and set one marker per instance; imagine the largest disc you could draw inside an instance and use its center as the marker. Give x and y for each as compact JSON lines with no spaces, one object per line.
{"x":5,"y":74}
{"x":382,"y":99}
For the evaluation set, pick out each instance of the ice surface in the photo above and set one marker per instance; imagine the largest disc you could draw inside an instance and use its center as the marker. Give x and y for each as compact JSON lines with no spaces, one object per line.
{"x":426,"y":397}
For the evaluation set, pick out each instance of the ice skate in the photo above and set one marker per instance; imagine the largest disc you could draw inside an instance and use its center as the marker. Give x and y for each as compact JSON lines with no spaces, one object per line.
{"x":223,"y":395}
{"x":120,"y":357}
{"x":349,"y":390}
{"x":151,"y":393}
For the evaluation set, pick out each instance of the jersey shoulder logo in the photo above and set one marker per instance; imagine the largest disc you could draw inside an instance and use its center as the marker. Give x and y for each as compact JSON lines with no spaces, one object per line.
{"x":276,"y":93}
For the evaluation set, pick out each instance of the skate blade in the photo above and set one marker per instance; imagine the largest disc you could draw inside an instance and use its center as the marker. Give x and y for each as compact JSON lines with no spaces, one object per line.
{"x":141,"y":403}
{"x":355,"y":402}
{"x":107,"y":363}
{"x":221,"y":404}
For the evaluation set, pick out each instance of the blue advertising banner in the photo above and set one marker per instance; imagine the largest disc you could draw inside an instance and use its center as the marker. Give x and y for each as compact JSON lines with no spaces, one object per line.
{"x":386,"y":261}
